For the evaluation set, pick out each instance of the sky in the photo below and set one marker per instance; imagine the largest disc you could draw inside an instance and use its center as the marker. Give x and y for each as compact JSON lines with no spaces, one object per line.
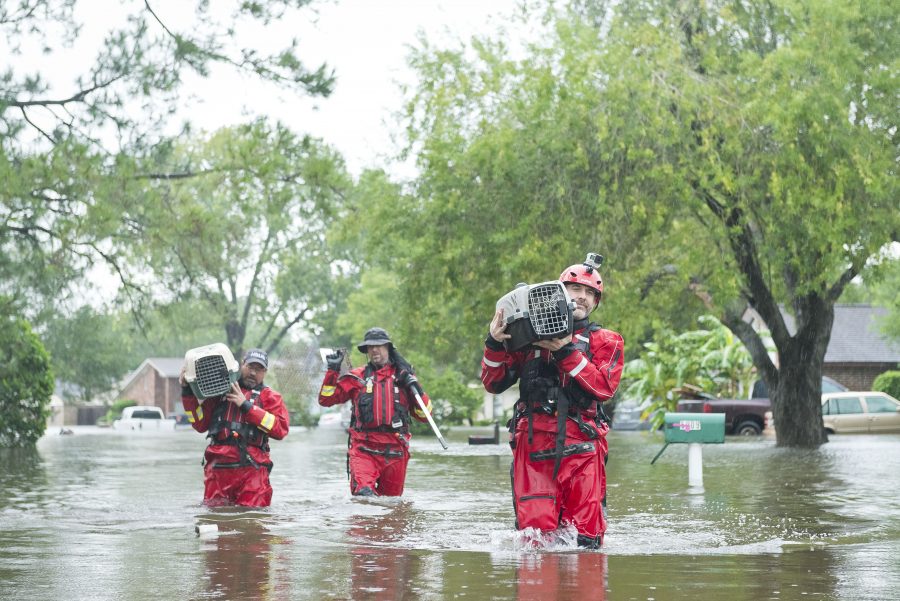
{"x":365,"y":41}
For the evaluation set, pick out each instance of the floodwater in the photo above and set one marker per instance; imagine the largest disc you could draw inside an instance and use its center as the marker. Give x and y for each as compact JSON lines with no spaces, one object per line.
{"x":109,"y":515}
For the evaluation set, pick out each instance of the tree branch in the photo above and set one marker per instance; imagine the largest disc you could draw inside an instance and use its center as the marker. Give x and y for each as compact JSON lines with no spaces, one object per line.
{"x":78,"y":97}
{"x":283,"y":332}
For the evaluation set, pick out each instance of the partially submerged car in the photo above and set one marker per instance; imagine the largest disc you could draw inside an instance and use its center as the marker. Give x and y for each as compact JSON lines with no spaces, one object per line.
{"x":863,"y":412}
{"x":144,"y":417}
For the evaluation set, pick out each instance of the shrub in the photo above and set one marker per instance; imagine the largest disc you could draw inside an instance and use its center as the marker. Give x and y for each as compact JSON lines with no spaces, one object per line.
{"x":115,"y":411}
{"x":888,"y":382}
{"x":26,"y":384}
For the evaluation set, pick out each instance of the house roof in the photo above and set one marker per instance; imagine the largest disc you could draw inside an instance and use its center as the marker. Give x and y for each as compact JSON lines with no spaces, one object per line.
{"x":856,"y":336}
{"x":166,"y":367}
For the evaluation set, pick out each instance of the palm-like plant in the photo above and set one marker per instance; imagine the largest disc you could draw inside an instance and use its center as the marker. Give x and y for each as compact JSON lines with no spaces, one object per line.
{"x":710,"y":360}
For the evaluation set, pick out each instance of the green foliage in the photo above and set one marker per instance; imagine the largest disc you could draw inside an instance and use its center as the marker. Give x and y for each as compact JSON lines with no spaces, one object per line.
{"x":243,"y":238}
{"x":720,"y":154}
{"x":300,"y":413}
{"x":115,"y":411}
{"x":87,"y":349}
{"x":888,"y":382}
{"x":453,"y":401}
{"x":68,"y":148}
{"x":26,"y":384}
{"x":881,"y":288}
{"x":710,"y":360}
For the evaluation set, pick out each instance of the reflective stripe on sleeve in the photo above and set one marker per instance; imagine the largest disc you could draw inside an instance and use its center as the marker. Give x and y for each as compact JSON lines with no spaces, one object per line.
{"x":267,"y":422}
{"x":490,"y":363}
{"x":195,"y":415}
{"x":327,"y":391}
{"x":579,"y":367}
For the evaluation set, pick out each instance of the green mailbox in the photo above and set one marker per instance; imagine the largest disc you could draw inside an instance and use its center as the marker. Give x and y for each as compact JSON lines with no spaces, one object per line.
{"x":694,"y":427}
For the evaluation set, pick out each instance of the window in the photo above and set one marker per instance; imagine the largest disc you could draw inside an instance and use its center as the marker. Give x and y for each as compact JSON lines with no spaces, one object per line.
{"x":848,"y":405}
{"x":146,"y":414}
{"x":879,"y":404}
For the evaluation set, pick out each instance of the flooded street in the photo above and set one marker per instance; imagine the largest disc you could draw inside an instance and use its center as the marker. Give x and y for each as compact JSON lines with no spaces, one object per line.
{"x":109,"y":515}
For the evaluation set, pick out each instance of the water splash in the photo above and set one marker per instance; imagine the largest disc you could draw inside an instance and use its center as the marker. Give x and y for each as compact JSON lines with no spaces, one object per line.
{"x":564,"y":538}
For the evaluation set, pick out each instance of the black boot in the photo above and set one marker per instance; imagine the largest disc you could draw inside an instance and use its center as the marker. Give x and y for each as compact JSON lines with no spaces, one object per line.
{"x":589,"y":542}
{"x":365,"y":491}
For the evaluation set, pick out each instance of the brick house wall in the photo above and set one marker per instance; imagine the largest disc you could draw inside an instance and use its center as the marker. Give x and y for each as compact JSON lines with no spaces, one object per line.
{"x":150,"y":388}
{"x":857,"y":376}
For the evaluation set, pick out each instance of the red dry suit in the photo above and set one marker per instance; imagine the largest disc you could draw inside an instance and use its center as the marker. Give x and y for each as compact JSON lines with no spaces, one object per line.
{"x":236,"y":461}
{"x":558,"y":471}
{"x":379,"y":425}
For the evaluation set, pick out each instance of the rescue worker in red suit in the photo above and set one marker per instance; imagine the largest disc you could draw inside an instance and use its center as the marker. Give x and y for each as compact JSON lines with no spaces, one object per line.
{"x":239,"y":425}
{"x":558,"y":433}
{"x":382,"y":396}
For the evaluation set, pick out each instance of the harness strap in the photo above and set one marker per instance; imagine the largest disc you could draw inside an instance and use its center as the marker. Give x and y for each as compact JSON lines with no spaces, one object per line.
{"x":387,"y":453}
{"x":240,"y":434}
{"x":562,"y":412}
{"x":580,"y":448}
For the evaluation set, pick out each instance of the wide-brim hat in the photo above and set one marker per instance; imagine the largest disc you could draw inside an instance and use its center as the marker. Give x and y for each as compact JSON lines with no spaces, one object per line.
{"x":374,"y":337}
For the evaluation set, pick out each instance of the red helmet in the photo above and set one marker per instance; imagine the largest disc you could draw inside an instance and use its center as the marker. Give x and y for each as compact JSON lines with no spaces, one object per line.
{"x":586,"y":274}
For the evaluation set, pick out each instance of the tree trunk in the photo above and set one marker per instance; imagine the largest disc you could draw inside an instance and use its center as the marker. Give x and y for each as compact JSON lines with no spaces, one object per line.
{"x":797,"y":405}
{"x":235,"y":332}
{"x":797,"y":397}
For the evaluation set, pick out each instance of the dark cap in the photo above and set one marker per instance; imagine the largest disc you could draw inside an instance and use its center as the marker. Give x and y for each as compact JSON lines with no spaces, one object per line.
{"x":374,"y":337}
{"x":256,"y":355}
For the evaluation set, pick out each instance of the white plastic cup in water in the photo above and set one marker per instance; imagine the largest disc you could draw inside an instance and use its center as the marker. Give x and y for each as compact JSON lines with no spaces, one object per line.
{"x":204,"y":530}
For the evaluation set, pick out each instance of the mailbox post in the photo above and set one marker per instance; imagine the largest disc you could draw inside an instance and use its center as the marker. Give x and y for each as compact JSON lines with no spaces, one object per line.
{"x":694,"y":429}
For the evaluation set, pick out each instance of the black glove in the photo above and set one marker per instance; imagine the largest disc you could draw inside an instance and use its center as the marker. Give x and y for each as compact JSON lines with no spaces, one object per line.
{"x":335,"y":359}
{"x":401,"y":363}
{"x":409,"y":381}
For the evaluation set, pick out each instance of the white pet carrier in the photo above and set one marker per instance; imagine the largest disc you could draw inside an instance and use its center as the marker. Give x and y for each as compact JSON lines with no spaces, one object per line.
{"x":211,"y":370}
{"x":536,"y":312}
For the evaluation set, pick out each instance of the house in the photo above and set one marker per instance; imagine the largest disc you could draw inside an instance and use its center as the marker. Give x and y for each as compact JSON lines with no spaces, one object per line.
{"x":69,"y":408}
{"x":857,"y":351}
{"x":155,"y":382}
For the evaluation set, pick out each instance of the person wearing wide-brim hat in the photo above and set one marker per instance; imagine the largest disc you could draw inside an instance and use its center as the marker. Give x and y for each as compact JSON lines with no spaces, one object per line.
{"x":382,"y":394}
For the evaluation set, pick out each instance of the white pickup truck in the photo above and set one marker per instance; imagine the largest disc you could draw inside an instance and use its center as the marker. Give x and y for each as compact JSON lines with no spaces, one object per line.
{"x":144,"y":417}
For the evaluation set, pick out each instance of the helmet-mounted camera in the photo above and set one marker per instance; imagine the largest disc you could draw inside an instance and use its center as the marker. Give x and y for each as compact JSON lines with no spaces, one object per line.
{"x":593,"y":261}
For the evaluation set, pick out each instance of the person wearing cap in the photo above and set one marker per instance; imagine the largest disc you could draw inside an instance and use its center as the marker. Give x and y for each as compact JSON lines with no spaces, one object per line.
{"x":239,"y":425}
{"x":383,"y":396}
{"x":558,"y":431}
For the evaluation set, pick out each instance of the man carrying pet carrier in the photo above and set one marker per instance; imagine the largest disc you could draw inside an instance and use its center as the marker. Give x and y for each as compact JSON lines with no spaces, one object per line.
{"x":239,"y":425}
{"x":382,"y":393}
{"x":558,"y":435}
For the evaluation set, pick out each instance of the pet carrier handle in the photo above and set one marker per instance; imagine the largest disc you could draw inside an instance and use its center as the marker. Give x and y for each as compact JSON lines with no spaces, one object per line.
{"x":430,"y":419}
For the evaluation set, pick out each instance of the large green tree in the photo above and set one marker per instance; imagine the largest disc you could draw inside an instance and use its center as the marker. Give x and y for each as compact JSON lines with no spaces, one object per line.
{"x":88,"y":350}
{"x":725,"y":154}
{"x":241,"y":229}
{"x":66,"y":146}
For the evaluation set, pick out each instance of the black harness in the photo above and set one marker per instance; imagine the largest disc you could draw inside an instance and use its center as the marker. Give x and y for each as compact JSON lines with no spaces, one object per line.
{"x":540,"y":391}
{"x":238,"y":433}
{"x":394,"y":418}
